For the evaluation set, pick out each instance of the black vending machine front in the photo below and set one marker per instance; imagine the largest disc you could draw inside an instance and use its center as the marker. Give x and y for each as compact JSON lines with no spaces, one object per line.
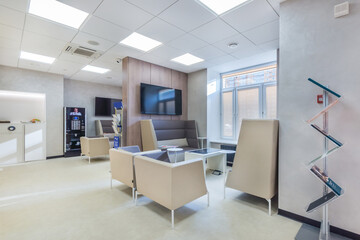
{"x":75,"y":128}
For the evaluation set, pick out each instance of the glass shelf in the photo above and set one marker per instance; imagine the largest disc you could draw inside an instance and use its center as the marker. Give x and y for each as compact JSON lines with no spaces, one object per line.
{"x":327,"y":135}
{"x":326,"y":180}
{"x":325,"y":88}
{"x":323,"y":111}
{"x":321,"y":202}
{"x":323,"y":155}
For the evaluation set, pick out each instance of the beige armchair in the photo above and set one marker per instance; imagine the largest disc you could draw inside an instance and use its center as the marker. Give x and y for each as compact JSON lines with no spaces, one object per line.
{"x":255,"y":163}
{"x":93,"y":147}
{"x":170,"y":185}
{"x":122,"y":165}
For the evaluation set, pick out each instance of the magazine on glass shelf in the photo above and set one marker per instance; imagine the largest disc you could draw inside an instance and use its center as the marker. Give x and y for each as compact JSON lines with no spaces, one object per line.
{"x":328,"y":181}
{"x":327,"y":135}
{"x":321,"y":201}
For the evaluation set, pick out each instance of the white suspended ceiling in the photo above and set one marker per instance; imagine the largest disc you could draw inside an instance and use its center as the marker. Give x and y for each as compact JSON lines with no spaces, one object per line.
{"x":183,"y":26}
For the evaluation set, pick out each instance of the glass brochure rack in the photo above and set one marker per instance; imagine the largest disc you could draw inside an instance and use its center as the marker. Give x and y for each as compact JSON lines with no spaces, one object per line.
{"x":117,"y":124}
{"x":331,"y":190}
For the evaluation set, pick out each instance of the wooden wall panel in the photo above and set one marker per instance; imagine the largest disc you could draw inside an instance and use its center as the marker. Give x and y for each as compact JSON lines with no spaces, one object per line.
{"x":160,"y":76}
{"x":135,"y":72}
{"x":125,"y":82}
{"x":138,"y":71}
{"x":179,"y":81}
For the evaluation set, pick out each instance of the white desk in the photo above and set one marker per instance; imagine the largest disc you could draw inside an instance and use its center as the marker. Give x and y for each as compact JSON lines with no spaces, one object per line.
{"x":206,"y":154}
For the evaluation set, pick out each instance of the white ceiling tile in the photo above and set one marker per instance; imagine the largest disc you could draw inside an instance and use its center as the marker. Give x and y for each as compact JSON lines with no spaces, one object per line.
{"x":112,"y":65}
{"x":166,"y":53}
{"x":154,"y":6}
{"x":9,"y":57}
{"x":12,"y":17}
{"x":20,"y":5}
{"x":49,"y":28}
{"x":187,"y":43}
{"x":110,"y":58}
{"x":272,"y":45}
{"x":160,"y":30}
{"x":74,"y":58}
{"x":88,"y":6}
{"x":105,"y":29}
{"x":263,"y":33}
{"x":43,"y":45}
{"x":214,"y":31}
{"x":7,"y":43}
{"x":151,"y":58}
{"x":246,"y":52}
{"x":82,"y":39}
{"x":65,"y":68}
{"x":120,"y":51}
{"x":238,"y":38}
{"x":250,"y":15}
{"x":37,"y":66}
{"x":176,"y":66}
{"x":187,"y":15}
{"x":10,"y":37}
{"x":221,"y":60}
{"x":123,"y":14}
{"x":208,"y":52}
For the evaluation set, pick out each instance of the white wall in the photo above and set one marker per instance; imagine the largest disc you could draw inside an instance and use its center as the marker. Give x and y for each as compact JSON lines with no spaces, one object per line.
{"x":82,"y":94}
{"x":314,"y":44}
{"x":197,"y":100}
{"x":52,"y":85}
{"x":22,"y":106}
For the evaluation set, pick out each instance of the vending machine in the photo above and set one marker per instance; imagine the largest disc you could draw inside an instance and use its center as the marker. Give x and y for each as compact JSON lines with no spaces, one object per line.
{"x":74,"y":129}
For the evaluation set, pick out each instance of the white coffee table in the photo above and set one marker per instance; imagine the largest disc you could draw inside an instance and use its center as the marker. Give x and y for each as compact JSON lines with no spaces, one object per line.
{"x":206,"y":153}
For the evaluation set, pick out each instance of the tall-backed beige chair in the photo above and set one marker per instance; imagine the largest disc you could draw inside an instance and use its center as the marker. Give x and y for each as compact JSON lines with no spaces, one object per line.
{"x":93,"y":147}
{"x":172,"y":185}
{"x":148,"y":136}
{"x":255,"y":163}
{"x":122,"y":165}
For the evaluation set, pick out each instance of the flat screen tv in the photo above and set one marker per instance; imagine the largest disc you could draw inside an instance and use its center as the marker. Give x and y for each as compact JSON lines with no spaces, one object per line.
{"x":160,"y":100}
{"x":104,"y":107}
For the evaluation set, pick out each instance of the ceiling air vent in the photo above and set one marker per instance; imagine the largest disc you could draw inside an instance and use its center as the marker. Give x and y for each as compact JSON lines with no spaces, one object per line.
{"x":75,"y":49}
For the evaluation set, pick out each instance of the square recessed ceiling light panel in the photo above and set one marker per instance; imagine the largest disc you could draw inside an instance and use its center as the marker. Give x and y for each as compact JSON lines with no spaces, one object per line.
{"x":94,"y":69}
{"x":58,"y":12}
{"x":140,"y":42}
{"x":36,"y":57}
{"x":220,"y":7}
{"x":187,"y":59}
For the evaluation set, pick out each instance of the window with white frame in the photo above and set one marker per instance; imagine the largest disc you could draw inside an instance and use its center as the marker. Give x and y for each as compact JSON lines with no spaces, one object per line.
{"x":247,"y":93}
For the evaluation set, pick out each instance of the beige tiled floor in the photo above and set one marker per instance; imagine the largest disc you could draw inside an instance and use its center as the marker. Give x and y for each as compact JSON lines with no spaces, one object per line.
{"x":70,"y":199}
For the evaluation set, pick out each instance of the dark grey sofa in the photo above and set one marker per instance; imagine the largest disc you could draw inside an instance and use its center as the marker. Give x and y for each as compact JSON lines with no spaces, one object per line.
{"x":169,"y":132}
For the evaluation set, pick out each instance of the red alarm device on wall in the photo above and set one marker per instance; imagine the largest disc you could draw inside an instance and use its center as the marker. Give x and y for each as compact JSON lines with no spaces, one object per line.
{"x":320,"y":98}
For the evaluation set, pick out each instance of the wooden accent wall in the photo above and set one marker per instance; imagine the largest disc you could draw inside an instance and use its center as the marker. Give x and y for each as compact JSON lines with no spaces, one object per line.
{"x":135,"y":72}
